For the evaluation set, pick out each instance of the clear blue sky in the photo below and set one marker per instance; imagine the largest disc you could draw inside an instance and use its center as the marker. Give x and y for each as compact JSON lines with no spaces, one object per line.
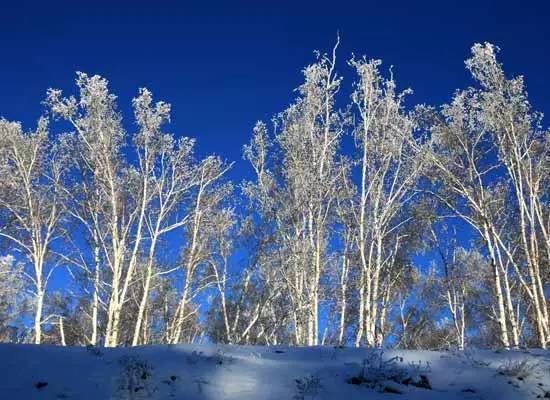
{"x":225,"y":65}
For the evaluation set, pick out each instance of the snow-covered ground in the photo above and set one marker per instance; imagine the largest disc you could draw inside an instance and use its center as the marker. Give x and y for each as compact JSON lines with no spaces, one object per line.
{"x":210,"y":372}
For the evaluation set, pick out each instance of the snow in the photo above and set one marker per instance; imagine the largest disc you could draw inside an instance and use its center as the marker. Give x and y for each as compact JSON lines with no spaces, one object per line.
{"x":214,"y":372}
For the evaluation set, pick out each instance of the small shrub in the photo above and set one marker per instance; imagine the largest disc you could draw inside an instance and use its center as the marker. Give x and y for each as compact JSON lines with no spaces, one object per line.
{"x":94,"y":350}
{"x":519,"y":369}
{"x":220,"y":358}
{"x":307,"y":387}
{"x":376,"y":373}
{"x":40,"y":385}
{"x":194,"y":357}
{"x":135,"y":379}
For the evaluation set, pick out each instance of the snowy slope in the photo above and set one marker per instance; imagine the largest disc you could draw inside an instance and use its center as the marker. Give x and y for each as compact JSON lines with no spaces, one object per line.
{"x":209,"y":372}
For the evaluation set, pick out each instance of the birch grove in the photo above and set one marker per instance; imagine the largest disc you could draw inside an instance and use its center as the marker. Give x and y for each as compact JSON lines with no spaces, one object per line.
{"x":355,"y":218}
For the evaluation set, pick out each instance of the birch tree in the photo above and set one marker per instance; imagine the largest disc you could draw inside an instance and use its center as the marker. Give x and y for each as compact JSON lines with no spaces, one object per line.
{"x":523,"y":148}
{"x":391,"y":161}
{"x":12,"y":297}
{"x":462,"y":280}
{"x":210,"y":193}
{"x":132,"y":207}
{"x":169,"y":168}
{"x":99,"y":138}
{"x":32,"y":198}
{"x":245,"y":310}
{"x":348,"y":257}
{"x":461,"y":156}
{"x":309,"y":134}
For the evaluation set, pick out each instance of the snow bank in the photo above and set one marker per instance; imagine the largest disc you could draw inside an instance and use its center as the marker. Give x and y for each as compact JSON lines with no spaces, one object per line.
{"x":209,"y":372}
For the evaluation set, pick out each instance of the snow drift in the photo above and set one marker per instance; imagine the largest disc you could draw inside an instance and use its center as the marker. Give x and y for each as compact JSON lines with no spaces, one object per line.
{"x":212,"y":372}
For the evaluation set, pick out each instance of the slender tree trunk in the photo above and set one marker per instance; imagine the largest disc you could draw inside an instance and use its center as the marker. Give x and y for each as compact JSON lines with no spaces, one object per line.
{"x":62,"y":332}
{"x":95,"y":299}
{"x":40,"y":292}
{"x":38,"y":315}
{"x":361,"y":319}
{"x":511,"y":312}
{"x":146,"y":288}
{"x":343,"y":295}
{"x":142,"y":306}
{"x":501,"y":312}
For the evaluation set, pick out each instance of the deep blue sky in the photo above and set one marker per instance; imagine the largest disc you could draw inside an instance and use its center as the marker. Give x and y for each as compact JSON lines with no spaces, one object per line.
{"x":225,"y":65}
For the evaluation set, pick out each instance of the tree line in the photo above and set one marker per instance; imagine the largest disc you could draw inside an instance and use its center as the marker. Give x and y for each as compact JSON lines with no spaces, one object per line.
{"x":434,"y":232}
